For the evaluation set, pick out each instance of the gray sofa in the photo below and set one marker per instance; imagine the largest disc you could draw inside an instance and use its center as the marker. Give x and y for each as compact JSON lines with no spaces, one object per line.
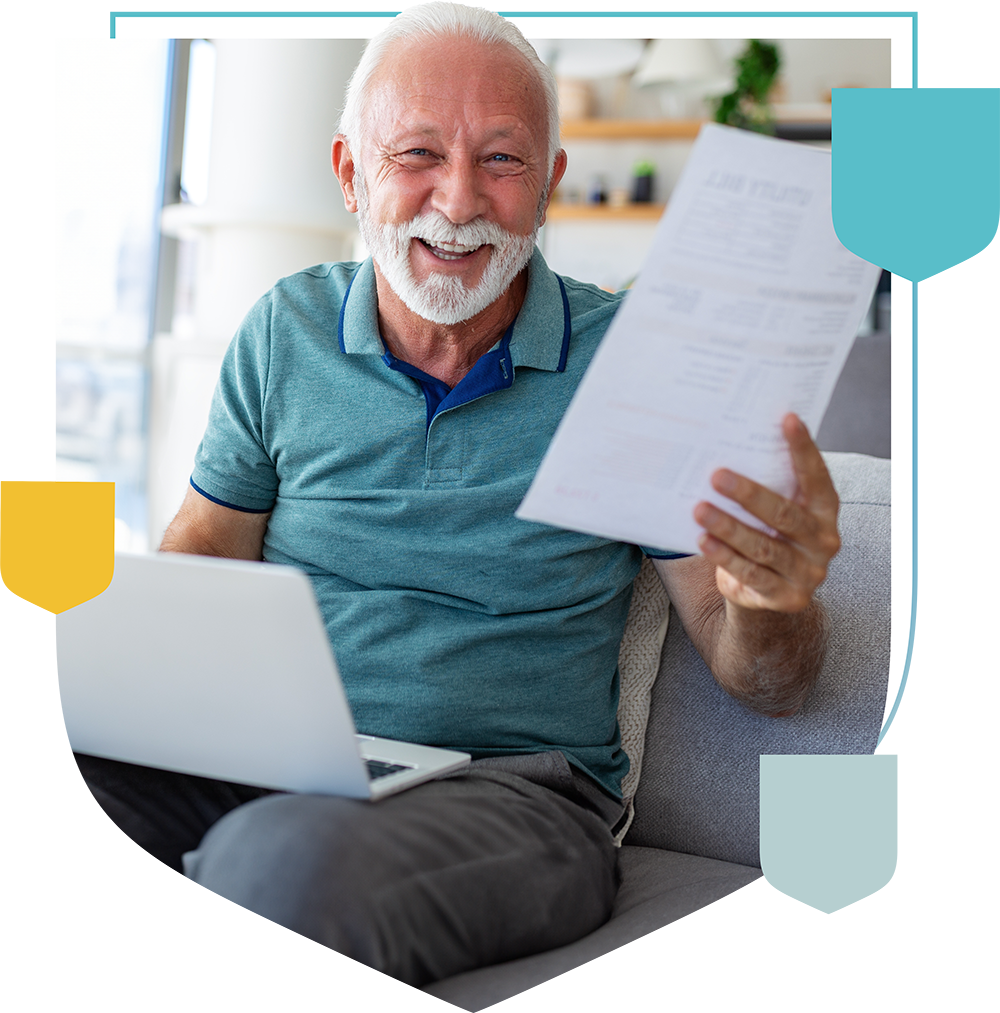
{"x":694,"y":838}
{"x":690,"y":898}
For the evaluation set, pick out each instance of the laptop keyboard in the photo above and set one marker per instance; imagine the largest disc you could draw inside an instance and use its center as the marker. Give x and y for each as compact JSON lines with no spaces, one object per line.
{"x":379,"y":768}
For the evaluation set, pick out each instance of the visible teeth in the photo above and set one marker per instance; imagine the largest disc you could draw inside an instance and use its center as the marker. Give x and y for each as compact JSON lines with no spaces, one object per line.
{"x":455,"y":247}
{"x":448,"y":251}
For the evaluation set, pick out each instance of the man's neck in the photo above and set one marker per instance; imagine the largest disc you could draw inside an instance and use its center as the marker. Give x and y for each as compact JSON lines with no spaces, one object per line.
{"x":445,"y":351}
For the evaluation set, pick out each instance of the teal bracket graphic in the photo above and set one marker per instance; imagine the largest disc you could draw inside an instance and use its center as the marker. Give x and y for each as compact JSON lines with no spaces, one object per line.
{"x":914,"y":191}
{"x":855,"y":849}
{"x":946,"y":607}
{"x":103,"y":12}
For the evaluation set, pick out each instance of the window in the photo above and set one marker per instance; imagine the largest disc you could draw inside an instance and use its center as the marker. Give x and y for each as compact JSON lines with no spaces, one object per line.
{"x":111,"y":114}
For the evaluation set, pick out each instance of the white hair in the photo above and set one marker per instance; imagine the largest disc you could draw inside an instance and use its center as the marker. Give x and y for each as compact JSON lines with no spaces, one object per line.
{"x":434,"y":20}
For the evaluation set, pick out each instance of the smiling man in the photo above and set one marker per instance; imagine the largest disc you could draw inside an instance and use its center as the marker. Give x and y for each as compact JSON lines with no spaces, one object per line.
{"x":461,"y":175}
{"x":377,"y":424}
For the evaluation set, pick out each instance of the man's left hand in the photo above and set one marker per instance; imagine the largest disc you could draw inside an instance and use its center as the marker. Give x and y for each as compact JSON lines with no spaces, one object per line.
{"x":755,"y":570}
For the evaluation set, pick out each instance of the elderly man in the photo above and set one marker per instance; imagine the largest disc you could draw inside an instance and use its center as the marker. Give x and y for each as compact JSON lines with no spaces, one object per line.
{"x":377,"y":424}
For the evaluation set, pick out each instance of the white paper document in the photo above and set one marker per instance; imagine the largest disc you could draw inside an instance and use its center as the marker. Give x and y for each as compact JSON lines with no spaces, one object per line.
{"x":745,"y":309}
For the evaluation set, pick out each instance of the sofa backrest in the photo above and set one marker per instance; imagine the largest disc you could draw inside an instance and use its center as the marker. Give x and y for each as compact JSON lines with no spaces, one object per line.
{"x":699,"y":789}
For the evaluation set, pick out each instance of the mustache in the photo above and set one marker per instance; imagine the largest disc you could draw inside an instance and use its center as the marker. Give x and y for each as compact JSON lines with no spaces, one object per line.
{"x":435,"y":227}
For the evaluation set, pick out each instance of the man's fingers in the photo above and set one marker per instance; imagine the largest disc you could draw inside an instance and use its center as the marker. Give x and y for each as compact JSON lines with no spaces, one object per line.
{"x":784,"y":559}
{"x":815,"y":485}
{"x":781,"y":572}
{"x":755,"y":545}
{"x":750,"y":584}
{"x":783,"y":515}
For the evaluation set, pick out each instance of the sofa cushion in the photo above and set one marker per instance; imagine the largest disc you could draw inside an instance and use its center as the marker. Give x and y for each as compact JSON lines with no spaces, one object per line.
{"x":675,"y":918}
{"x":700,"y":787}
{"x":638,"y":665}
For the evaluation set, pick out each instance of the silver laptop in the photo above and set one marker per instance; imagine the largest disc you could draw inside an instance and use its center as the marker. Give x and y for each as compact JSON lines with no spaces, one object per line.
{"x":222,"y":668}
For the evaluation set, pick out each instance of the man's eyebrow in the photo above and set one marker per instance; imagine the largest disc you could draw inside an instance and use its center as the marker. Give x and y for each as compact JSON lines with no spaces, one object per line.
{"x":418,"y":130}
{"x":408,"y":136}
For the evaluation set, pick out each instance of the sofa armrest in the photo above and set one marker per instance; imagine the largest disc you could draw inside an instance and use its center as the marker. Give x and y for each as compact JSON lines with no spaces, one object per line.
{"x":699,"y":791}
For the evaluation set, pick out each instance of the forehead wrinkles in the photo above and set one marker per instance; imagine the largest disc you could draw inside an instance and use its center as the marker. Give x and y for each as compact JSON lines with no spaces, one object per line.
{"x":443,"y":86}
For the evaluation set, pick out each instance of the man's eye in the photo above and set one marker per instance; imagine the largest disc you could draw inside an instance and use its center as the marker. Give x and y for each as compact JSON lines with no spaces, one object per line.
{"x":500,"y":158}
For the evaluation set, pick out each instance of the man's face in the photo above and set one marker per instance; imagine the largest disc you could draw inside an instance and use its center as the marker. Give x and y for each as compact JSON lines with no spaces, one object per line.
{"x":451,"y":178}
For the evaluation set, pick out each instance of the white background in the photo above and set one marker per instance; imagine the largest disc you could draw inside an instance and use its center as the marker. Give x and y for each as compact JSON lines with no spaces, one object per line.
{"x":68,"y":942}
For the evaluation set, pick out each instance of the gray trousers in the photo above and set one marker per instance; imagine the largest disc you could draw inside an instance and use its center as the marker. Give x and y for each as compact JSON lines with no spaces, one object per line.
{"x":512,"y":857}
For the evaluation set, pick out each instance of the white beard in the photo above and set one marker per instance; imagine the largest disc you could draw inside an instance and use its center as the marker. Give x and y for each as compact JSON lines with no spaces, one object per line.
{"x":443,"y":298}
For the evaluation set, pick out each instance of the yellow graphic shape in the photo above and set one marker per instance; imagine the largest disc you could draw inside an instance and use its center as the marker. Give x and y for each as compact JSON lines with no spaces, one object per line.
{"x":57,"y":541}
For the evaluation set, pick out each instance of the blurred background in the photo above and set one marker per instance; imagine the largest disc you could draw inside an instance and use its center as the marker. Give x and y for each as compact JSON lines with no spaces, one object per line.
{"x":198,"y":173}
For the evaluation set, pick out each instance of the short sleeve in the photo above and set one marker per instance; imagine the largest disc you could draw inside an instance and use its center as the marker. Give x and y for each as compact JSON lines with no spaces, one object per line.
{"x":233,"y":466}
{"x":663,"y":553}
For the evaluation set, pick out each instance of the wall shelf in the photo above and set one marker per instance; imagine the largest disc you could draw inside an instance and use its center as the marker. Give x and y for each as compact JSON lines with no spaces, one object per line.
{"x":560,"y":212}
{"x":630,"y":130}
{"x":796,"y":123}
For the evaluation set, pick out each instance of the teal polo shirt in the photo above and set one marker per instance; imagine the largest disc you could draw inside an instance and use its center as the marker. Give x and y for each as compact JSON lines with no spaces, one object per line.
{"x":453,"y":623}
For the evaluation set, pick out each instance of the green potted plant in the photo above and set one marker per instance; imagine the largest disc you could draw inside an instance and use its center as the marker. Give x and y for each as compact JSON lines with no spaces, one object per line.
{"x":746,"y":106}
{"x":643,"y":174}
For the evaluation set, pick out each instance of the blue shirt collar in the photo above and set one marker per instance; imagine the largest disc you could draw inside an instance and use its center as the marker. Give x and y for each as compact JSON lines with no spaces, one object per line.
{"x":540,"y":338}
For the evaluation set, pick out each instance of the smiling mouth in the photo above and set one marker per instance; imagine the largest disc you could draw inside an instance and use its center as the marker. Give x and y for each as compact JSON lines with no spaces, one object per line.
{"x":450,"y":251}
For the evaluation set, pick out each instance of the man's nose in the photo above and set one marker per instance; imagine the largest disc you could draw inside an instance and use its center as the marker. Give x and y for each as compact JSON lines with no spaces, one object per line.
{"x":458,"y":194}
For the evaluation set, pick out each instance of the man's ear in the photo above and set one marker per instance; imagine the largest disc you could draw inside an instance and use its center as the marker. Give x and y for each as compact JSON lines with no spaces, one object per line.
{"x":343,"y":169}
{"x":558,"y":169}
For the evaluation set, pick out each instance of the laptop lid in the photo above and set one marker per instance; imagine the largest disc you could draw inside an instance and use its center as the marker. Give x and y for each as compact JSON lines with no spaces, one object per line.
{"x":213,"y":667}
